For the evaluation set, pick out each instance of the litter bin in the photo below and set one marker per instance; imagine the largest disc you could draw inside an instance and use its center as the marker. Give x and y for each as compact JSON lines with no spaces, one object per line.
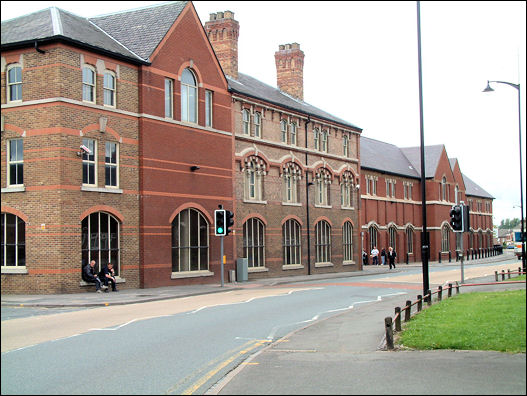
{"x":232,"y":276}
{"x":242,"y":266}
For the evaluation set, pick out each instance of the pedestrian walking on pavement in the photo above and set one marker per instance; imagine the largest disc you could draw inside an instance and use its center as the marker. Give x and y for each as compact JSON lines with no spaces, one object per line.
{"x":375,"y":256}
{"x":391,"y":257}
{"x":383,"y":256}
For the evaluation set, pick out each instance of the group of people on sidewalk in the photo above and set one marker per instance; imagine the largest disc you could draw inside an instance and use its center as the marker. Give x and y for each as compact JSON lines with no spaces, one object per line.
{"x":385,"y":257}
{"x":101,"y":279}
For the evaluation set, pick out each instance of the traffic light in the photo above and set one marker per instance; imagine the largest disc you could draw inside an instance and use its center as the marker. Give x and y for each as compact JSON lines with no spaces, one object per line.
{"x":456,"y":218}
{"x":229,"y":221}
{"x":220,"y":228}
{"x":466,"y":218}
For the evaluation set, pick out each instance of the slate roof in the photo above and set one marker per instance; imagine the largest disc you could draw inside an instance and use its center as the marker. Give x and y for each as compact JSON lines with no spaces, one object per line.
{"x":141,"y":30}
{"x":471,"y":188}
{"x":250,"y":86}
{"x":432,"y":156}
{"x":133,"y":34}
{"x":385,"y":157}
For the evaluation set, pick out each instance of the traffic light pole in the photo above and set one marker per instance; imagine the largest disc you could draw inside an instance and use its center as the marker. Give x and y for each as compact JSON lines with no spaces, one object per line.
{"x":221,"y":259}
{"x":461,"y":246}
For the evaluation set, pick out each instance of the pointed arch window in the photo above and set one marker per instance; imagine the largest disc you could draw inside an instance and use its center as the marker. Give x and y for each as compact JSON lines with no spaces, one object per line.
{"x":445,"y":238}
{"x":410,"y":240}
{"x":392,"y":237}
{"x":254,"y":175}
{"x":189,"y":97}
{"x":254,"y":242}
{"x":373,"y":232}
{"x":322,"y":182}
{"x":347,"y":241}
{"x":291,"y":176}
{"x":346,"y":190}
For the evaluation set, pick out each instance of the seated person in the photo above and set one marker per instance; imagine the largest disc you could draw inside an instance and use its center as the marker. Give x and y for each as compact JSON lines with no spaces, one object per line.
{"x":108,"y":275}
{"x":89,"y":275}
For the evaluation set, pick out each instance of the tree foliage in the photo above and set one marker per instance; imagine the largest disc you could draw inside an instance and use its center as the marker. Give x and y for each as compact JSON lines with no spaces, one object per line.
{"x":508,"y":224}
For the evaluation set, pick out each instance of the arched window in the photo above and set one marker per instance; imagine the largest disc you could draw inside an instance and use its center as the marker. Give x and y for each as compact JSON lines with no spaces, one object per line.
{"x":347,"y":241}
{"x":292,"y":134}
{"x":190,"y":241}
{"x":316,"y":138}
{"x":100,"y":240}
{"x":88,"y":84}
{"x":246,"y":117}
{"x":14,"y":83}
{"x":291,"y":237}
{"x":13,"y":241}
{"x":456,"y":198}
{"x":445,"y":238}
{"x":346,"y":190}
{"x":392,"y":237}
{"x":323,"y":242}
{"x":443,"y":189}
{"x":322,"y":182}
{"x":372,"y":230}
{"x":283,"y":130}
{"x":254,"y":175}
{"x":257,"y":125}
{"x":345,"y":146}
{"x":189,"y":97}
{"x":291,"y":174}
{"x":254,"y":242}
{"x":410,"y":240}
{"x":109,"y":88}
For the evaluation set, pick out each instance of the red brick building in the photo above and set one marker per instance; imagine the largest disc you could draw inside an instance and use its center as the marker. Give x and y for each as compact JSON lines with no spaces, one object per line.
{"x":121,"y":134}
{"x":143,"y":93}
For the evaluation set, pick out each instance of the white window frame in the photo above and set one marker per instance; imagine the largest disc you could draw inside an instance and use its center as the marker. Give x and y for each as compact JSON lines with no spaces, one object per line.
{"x":392,"y":237}
{"x":257,"y":121}
{"x":17,"y":84}
{"x":169,"y":98}
{"x":18,"y":160}
{"x":98,"y":246}
{"x":445,"y":238}
{"x":347,"y":241}
{"x":292,"y":133}
{"x":208,"y":108}
{"x":254,"y":242}
{"x":322,"y":182}
{"x":316,"y":139}
{"x":111,"y":165}
{"x":108,"y":91}
{"x":323,"y":242}
{"x":292,"y":242}
{"x":19,"y":222}
{"x":177,"y":245}
{"x":186,"y":93}
{"x":345,"y":146}
{"x":324,"y":141}
{"x":87,"y":86}
{"x":291,"y":175}
{"x":246,"y":122}
{"x":283,"y":130}
{"x":92,"y":145}
{"x":253,"y":180}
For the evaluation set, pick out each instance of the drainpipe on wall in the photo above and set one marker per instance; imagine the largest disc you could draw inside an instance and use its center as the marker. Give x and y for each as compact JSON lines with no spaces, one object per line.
{"x":307,"y":206}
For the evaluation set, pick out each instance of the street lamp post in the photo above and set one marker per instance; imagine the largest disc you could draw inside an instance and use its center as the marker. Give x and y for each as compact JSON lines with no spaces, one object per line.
{"x":517,"y":86}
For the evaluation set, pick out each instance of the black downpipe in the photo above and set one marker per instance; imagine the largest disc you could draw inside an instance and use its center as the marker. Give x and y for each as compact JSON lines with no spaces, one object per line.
{"x":38,"y":49}
{"x":307,"y":206}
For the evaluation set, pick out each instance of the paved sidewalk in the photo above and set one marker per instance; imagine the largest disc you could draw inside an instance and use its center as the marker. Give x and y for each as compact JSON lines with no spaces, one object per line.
{"x":132,"y":296}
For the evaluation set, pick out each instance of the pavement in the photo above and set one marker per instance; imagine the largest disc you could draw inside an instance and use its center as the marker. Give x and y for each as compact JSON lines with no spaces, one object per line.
{"x":344,"y":353}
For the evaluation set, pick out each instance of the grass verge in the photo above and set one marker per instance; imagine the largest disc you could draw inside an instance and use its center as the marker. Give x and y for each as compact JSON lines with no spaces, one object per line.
{"x":491,"y":321}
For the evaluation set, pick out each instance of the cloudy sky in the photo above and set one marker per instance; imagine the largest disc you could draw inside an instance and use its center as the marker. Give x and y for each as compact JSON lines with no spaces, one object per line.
{"x":361,"y":65}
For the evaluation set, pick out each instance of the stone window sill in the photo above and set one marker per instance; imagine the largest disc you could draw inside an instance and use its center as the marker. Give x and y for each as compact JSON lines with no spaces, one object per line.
{"x":320,"y":265}
{"x":102,"y":190}
{"x":292,"y":267}
{"x":257,"y":269}
{"x":13,"y":189}
{"x":14,"y":270}
{"x":190,"y":274}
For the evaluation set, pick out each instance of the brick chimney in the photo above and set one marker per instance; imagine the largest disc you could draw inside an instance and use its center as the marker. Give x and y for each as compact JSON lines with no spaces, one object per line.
{"x":290,"y":69}
{"x":222,"y":30}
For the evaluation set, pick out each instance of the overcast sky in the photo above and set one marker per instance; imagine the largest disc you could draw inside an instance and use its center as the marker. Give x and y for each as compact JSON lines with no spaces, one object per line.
{"x":361,"y":65}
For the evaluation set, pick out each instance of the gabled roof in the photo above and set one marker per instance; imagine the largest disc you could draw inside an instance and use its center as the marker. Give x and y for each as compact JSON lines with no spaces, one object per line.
{"x":385,"y":157}
{"x":141,"y":30}
{"x":254,"y":88}
{"x":471,"y":188}
{"x":133,"y":34}
{"x":432,"y":155}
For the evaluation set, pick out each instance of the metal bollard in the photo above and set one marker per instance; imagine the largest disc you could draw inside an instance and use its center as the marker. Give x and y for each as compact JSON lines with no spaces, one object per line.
{"x":397,"y":318}
{"x":439,"y":293}
{"x":407,"y":311}
{"x":419,"y":303}
{"x":502,"y":275}
{"x":389,"y":332}
{"x":496,"y":275}
{"x":450,"y":290}
{"x":508,"y":273}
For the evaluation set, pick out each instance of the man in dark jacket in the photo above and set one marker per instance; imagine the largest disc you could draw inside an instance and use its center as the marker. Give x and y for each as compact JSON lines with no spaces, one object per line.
{"x":391,"y":257}
{"x":89,"y":275}
{"x":108,"y":275}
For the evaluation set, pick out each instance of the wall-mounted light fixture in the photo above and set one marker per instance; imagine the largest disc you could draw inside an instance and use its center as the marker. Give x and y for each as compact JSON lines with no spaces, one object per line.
{"x":194,"y":168}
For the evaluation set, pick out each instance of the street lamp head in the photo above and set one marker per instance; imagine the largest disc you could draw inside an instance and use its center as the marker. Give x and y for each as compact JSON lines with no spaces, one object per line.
{"x":488,"y":89}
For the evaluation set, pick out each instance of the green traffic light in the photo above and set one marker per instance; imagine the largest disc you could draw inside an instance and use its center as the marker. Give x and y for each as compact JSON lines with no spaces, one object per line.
{"x":220,"y":230}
